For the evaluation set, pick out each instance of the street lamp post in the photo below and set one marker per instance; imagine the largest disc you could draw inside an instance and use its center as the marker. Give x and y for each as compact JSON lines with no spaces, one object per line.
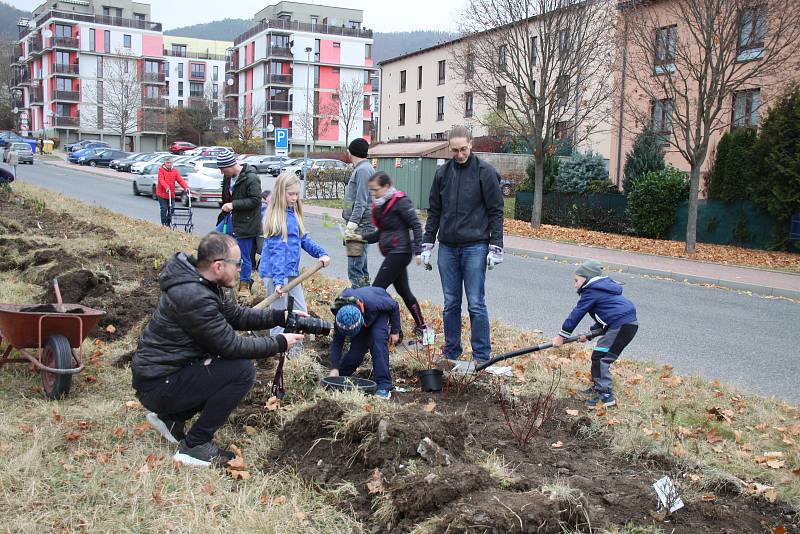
{"x":309,"y":122}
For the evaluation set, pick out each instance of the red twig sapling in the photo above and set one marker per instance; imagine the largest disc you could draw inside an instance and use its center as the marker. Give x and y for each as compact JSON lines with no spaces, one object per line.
{"x":525,"y":417}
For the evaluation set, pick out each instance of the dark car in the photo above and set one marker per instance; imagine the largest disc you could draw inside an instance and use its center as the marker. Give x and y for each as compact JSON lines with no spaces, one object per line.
{"x":86,"y":143}
{"x":74,"y":157}
{"x":178,"y":147}
{"x":102,"y":159}
{"x":124,"y":164}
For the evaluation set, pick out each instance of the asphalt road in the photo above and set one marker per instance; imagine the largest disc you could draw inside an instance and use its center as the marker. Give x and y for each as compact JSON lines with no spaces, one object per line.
{"x":718,"y":334}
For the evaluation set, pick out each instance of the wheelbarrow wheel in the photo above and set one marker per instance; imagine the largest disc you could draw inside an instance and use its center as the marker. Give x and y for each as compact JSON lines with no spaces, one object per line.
{"x":56,"y":354}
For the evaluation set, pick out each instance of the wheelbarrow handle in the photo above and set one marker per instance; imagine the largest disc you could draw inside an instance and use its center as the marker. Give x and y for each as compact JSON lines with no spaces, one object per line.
{"x":535,"y":348}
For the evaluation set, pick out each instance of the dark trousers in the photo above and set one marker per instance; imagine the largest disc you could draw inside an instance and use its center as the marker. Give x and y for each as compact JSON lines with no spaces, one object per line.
{"x":166,"y":211}
{"x":375,"y":339}
{"x":212,"y":390}
{"x":606,"y":352}
{"x":393,"y":272}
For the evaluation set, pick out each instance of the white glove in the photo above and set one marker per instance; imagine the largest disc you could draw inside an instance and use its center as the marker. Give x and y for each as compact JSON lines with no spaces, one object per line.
{"x":495,"y":256}
{"x":426,"y":254}
{"x":350,"y":229}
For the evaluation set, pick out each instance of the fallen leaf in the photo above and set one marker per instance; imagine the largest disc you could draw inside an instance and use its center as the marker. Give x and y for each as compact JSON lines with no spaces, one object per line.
{"x":771,"y":495}
{"x":796,"y":471}
{"x":133,"y":405}
{"x":573,"y":412}
{"x":678,"y":450}
{"x":239,"y":475}
{"x":684,"y":432}
{"x":119,"y":432}
{"x":376,"y":484}
{"x":157,"y":496}
{"x":90,"y":378}
{"x":141,"y":428}
{"x":738,"y":436}
{"x":557,"y":445}
{"x":26,"y":428}
{"x":72,"y":436}
{"x":430,"y":407}
{"x":301,"y":516}
{"x":111,"y":329}
{"x":237,"y":464}
{"x":712,"y":437}
{"x":612,"y":421}
{"x":775,"y":464}
{"x":709,"y":497}
{"x":83,"y":425}
{"x":694,"y":477}
{"x":103,"y":457}
{"x":279,"y":501}
{"x":788,"y":441}
{"x":250,"y":430}
{"x":273,"y":404}
{"x":636,"y":379}
{"x":762,"y":426}
{"x":369,"y":408}
{"x":209,"y":489}
{"x":519,"y":371}
{"x":57,"y":417}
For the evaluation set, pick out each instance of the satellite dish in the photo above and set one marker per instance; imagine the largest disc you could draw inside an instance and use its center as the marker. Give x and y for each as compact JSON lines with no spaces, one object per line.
{"x":21,"y":59}
{"x":226,"y":130}
{"x":47,"y":34}
{"x":16,"y":110}
{"x":229,"y":81}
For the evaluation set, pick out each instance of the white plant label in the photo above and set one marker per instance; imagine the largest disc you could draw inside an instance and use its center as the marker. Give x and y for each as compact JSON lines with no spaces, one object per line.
{"x":428,"y":337}
{"x":668,"y":494}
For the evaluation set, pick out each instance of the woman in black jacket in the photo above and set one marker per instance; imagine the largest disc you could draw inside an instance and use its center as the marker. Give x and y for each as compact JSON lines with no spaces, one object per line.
{"x":394,"y":217}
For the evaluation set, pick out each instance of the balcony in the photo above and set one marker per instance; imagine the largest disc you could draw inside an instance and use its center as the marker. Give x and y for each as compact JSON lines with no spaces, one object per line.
{"x":279,"y":51}
{"x":66,"y":69}
{"x":37,"y":96}
{"x":279,"y":105}
{"x":194,"y":55}
{"x":231,"y":113}
{"x":279,"y":79}
{"x":35,"y":46}
{"x":151,"y":122}
{"x":154,"y":102}
{"x":197,"y":76}
{"x":232,"y":63}
{"x":67,"y":122}
{"x":295,"y":26}
{"x":66,"y":96}
{"x":197,"y":101}
{"x":91,"y":18}
{"x":21,"y":77}
{"x":231,"y":90}
{"x":153,"y":77}
{"x":65,"y":42}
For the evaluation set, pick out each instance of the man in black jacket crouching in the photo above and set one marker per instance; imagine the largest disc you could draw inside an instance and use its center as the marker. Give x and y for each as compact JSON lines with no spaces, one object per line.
{"x":190,"y":359}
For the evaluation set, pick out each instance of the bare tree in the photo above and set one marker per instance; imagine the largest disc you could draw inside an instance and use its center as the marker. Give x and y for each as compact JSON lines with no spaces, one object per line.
{"x":544,"y":69}
{"x":347,"y":107}
{"x":689,"y":58}
{"x":118,"y":92}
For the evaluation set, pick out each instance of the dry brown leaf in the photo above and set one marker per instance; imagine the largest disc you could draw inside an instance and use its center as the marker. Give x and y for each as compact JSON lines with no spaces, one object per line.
{"x":771,"y":495}
{"x":788,"y":441}
{"x":738,"y":436}
{"x":776,"y":464}
{"x":279,"y":501}
{"x":26,"y":428}
{"x":157,"y":496}
{"x":375,"y":485}
{"x":141,"y":428}
{"x":133,"y":405}
{"x":72,"y":436}
{"x":679,"y":450}
{"x":208,"y":489}
{"x":713,"y":437}
{"x":57,"y":417}
{"x":90,"y":378}
{"x":119,"y":432}
{"x":762,"y":427}
{"x":708,"y":497}
{"x":694,"y":477}
{"x":273,"y":404}
{"x":519,"y":371}
{"x":237,"y":464}
{"x":239,"y":475}
{"x":103,"y":457}
{"x":301,"y":516}
{"x":250,"y":430}
{"x":780,"y":529}
{"x":83,"y":425}
{"x":557,"y":445}
{"x":796,"y":471}
{"x":573,"y":412}
{"x":369,"y":408}
{"x":430,"y":407}
{"x":636,"y":379}
{"x":612,"y":421}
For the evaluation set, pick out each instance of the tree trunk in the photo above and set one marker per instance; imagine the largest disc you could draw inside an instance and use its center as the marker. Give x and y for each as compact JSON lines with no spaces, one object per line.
{"x":538,"y":191}
{"x":694,"y":193}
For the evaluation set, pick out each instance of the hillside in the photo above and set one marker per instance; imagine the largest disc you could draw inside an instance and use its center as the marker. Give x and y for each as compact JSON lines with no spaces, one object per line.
{"x":9,"y":16}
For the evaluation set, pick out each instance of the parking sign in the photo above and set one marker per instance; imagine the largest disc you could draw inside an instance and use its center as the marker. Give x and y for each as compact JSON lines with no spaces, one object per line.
{"x":281,"y":138}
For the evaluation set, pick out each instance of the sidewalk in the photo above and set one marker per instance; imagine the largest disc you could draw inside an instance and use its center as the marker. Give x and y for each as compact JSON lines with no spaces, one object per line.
{"x":760,"y":281}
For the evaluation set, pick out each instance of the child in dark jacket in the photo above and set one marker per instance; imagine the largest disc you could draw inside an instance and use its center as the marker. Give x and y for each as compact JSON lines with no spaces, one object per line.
{"x":614,"y":315}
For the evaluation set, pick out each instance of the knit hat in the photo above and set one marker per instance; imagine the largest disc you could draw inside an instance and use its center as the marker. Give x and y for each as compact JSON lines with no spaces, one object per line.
{"x":349,"y":320}
{"x":226,"y":158}
{"x":359,"y":147}
{"x":589,"y":269}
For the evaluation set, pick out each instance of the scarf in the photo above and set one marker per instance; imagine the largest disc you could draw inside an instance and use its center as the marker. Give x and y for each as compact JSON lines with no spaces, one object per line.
{"x":385,"y":198}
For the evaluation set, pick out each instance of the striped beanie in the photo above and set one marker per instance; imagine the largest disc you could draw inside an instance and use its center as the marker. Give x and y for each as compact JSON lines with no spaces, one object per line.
{"x":349,"y":320}
{"x":226,"y":158}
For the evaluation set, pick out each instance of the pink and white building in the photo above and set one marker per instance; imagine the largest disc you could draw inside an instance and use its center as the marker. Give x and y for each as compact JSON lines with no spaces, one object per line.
{"x":67,"y":57}
{"x":291,"y":65}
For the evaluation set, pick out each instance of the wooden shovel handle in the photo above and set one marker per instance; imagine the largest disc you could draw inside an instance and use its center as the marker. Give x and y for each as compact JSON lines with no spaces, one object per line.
{"x":308,"y":273}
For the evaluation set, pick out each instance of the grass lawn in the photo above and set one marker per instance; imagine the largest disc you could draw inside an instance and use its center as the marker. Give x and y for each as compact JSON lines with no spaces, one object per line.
{"x":325,"y":203}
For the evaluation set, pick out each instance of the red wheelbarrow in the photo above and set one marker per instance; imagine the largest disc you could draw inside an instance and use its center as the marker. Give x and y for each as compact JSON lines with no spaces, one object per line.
{"x":54,"y":330}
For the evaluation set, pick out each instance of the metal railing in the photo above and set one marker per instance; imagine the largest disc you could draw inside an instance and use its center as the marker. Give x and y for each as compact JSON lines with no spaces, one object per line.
{"x":195,"y":55}
{"x":64,"y":68}
{"x":97,"y":19}
{"x":295,"y":25}
{"x":196,"y":75}
{"x":157,"y":77}
{"x":65,"y":42}
{"x":72,"y":96}
{"x":279,"y":51}
{"x":37,"y":95}
{"x":35,"y":46}
{"x":281,"y":79}
{"x":279,"y":105}
{"x":231,"y":90}
{"x":232,"y":62}
{"x":231,"y":113}
{"x":21,"y":77}
{"x":70,"y":122}
{"x":153,"y":102}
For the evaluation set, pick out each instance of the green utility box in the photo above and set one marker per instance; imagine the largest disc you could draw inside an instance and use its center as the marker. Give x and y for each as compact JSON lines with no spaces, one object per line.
{"x":412,"y":175}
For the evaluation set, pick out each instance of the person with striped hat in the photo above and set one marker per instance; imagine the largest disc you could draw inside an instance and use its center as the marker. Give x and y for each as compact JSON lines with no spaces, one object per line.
{"x":244,"y":187}
{"x":371,"y":319}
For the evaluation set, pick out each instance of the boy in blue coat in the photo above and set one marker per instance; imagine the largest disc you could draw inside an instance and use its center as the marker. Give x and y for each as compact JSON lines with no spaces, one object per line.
{"x":614,"y":315}
{"x":371,"y":318}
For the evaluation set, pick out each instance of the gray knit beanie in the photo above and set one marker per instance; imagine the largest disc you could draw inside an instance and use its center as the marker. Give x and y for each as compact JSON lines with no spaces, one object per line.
{"x":589,"y":269}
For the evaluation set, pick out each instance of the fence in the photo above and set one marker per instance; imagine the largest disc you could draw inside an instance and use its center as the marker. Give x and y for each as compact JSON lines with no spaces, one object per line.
{"x":327,"y":184}
{"x":506,"y":163}
{"x":577,"y":210}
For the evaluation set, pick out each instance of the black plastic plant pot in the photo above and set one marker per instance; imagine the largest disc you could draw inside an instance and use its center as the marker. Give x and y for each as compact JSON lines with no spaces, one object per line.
{"x":430,"y":379}
{"x":349,"y":383}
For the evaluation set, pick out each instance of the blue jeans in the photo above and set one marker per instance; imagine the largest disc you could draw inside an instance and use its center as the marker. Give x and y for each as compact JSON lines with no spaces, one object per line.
{"x":166,"y":212}
{"x":375,"y":339}
{"x":357,"y":270}
{"x":247,"y":246}
{"x":464,"y":267}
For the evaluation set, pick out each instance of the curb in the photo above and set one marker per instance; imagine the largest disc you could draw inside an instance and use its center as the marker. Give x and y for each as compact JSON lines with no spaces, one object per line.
{"x":672,"y":275}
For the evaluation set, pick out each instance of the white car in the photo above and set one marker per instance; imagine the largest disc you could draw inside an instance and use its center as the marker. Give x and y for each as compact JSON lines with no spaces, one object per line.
{"x":144,"y":183}
{"x":207,"y":167}
{"x":203,"y":188}
{"x":139,"y":166}
{"x":315,"y":165}
{"x":195,"y":151}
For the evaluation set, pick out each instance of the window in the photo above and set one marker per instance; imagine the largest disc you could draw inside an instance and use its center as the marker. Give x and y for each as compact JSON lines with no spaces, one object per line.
{"x":107,"y":41}
{"x":440,"y":108}
{"x":368,"y":51}
{"x":99,"y":91}
{"x":502,"y":60}
{"x":562,"y":89}
{"x":534,"y":50}
{"x":366,"y":102}
{"x":746,"y":106}
{"x":419,"y":111}
{"x":180,"y":103}
{"x":198,"y":70}
{"x":666,"y":42}
{"x":215,"y":75}
{"x":180,"y":70}
{"x":195,"y":90}
{"x":337,"y":44}
{"x":316,"y":75}
{"x":126,"y":41}
{"x":662,"y":117}
{"x":468,"y":104}
{"x":179,"y":50}
{"x":402,"y":118}
{"x":752,"y":32}
{"x":139,"y":16}
{"x":280,"y":41}
{"x":100,"y":68}
{"x":402,"y":81}
{"x":62,"y":58}
{"x":151,"y":91}
{"x":215,"y":92}
{"x":314,"y":21}
{"x":316,"y":49}
{"x":366,"y":78}
{"x":91,"y":40}
{"x":354,"y":25}
{"x":180,"y":88}
{"x":100,"y":117}
{"x":501,"y":98}
{"x":367,"y":130}
{"x":63,"y":30}
{"x":441,"y":71}
{"x":419,"y":77}
{"x":469,"y":71}
{"x":563,"y":42}
{"x":63,"y":84}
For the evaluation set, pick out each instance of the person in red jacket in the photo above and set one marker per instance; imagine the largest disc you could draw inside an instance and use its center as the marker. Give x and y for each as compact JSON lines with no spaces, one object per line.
{"x":165,"y":189}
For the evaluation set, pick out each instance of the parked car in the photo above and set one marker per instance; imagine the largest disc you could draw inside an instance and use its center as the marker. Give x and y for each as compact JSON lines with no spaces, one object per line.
{"x":212,"y":151}
{"x":24,"y":152}
{"x":75,"y":156}
{"x":207,"y":167}
{"x":195,"y":151}
{"x":179,"y":147}
{"x":276,"y":168}
{"x":158,"y":157}
{"x":260,"y":163}
{"x":114,"y":163}
{"x":144,"y":183}
{"x":7,"y":137}
{"x":102,"y":159}
{"x":124,"y":165}
{"x":86,"y":143}
{"x":204,"y":188}
{"x":315,"y":165}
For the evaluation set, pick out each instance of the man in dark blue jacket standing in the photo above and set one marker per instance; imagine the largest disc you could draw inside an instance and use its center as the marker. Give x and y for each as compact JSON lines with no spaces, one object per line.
{"x":614,"y":315}
{"x":371,"y":318}
{"x":466,"y":211}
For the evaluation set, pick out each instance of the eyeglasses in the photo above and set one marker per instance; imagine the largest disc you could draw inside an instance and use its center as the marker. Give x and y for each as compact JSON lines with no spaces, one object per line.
{"x":237,"y":263}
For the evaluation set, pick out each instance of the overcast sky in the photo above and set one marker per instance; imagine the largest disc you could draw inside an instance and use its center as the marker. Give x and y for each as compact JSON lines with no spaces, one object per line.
{"x":378,"y":15}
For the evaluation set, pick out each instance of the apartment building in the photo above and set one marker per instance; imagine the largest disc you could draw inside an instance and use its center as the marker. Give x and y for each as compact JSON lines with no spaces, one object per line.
{"x":85,"y":68}
{"x":195,"y":72}
{"x":290,"y":67}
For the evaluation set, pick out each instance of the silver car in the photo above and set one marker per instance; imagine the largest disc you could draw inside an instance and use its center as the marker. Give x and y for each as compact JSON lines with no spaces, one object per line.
{"x":144,"y":183}
{"x":24,"y":153}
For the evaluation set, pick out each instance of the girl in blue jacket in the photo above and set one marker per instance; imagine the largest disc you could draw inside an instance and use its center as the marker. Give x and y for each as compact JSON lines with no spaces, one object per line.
{"x":284,"y":236}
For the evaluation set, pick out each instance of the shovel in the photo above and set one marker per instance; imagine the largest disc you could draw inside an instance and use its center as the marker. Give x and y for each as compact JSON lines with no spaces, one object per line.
{"x":469,"y":367}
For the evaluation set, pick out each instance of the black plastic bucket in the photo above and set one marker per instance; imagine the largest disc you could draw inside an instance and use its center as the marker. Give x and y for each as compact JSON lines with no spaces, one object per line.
{"x":430,"y":379}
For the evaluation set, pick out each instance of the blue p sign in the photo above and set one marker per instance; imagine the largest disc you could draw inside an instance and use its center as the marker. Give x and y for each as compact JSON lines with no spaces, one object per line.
{"x":282,"y":138}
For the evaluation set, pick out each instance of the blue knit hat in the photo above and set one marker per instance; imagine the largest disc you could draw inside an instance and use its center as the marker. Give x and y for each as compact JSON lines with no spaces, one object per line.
{"x":226,"y":158}
{"x":349,"y":320}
